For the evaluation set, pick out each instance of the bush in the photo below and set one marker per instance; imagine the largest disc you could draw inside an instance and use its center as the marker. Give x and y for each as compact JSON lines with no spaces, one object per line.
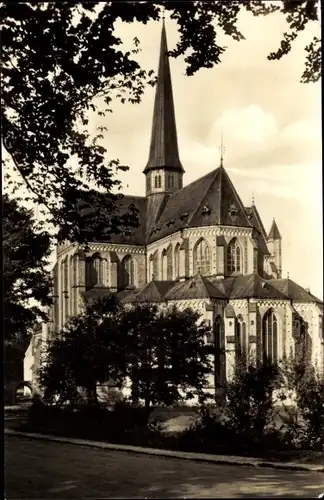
{"x":123,"y":424}
{"x":303,"y":425}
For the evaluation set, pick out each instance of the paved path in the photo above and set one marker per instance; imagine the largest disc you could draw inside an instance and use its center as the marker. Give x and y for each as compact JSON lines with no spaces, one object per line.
{"x":42,"y":470}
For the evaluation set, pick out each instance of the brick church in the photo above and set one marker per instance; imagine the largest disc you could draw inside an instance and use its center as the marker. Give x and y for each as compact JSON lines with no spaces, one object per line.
{"x":196,"y":245}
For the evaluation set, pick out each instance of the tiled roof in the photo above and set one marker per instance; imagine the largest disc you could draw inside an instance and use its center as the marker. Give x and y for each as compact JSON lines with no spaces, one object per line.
{"x":127,"y":294}
{"x":208,"y":201}
{"x":134,"y":236}
{"x":249,"y":286}
{"x":197,"y":287}
{"x":255,"y":220}
{"x":154,"y":291}
{"x":293,"y":290}
{"x":212,"y":287}
{"x":274,"y":232}
{"x":253,"y":286}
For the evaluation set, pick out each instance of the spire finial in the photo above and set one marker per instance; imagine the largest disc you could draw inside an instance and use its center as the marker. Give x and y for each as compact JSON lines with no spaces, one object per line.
{"x":287,"y":275}
{"x":222,"y":151}
{"x":253,"y":199}
{"x":163,"y":15}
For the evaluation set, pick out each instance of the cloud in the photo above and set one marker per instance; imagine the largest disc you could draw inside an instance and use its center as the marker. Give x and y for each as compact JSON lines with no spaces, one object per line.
{"x":250,"y":124}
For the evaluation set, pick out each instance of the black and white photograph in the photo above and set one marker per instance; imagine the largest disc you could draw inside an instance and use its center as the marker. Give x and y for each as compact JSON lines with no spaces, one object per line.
{"x":162,"y":229}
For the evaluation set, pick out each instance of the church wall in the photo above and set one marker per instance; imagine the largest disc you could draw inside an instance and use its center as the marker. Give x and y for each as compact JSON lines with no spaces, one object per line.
{"x":156,"y":249}
{"x":218,"y":254}
{"x":311,"y":313}
{"x":70,"y":303}
{"x":280,"y":310}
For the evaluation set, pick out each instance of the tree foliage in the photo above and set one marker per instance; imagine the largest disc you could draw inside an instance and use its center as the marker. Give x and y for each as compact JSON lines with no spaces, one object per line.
{"x":167,"y":358}
{"x":163,"y":353}
{"x":250,"y":399}
{"x":26,"y":249}
{"x":59,"y":58}
{"x":84,"y":354}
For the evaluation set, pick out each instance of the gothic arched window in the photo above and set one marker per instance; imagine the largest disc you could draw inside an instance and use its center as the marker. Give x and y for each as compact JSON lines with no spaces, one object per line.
{"x":240,"y":341}
{"x":127,"y":265}
{"x":177,"y":261}
{"x":270,"y":337}
{"x":169,"y":263}
{"x":234,"y":257}
{"x":303,"y":344}
{"x":154,"y":266}
{"x":163,"y":264}
{"x":202,"y":257}
{"x":157,"y":181}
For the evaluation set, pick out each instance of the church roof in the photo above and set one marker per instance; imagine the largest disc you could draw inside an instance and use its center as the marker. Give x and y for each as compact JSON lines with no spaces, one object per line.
{"x":208,"y":201}
{"x":293,"y":291}
{"x":249,"y":286}
{"x":98,"y":224}
{"x":274,"y":232}
{"x":197,"y":287}
{"x":164,"y":143}
{"x":154,"y":291}
{"x":261,"y":235}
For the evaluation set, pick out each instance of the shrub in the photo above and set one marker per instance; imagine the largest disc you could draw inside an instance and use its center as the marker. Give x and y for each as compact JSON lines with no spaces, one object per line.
{"x":303,"y":424}
{"x":250,"y":409}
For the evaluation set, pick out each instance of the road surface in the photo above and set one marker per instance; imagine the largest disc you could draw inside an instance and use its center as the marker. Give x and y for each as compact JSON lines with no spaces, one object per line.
{"x":41,"y":470}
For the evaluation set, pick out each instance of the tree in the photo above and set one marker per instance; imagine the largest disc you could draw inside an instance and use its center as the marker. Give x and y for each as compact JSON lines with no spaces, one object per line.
{"x":84,"y":354}
{"x":26,"y":249}
{"x":250,"y":405}
{"x":49,"y":95}
{"x":162,"y":352}
{"x":302,"y":387}
{"x":167,"y":357}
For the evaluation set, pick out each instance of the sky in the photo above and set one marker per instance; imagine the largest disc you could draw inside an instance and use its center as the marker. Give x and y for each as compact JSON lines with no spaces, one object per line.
{"x":271,"y":126}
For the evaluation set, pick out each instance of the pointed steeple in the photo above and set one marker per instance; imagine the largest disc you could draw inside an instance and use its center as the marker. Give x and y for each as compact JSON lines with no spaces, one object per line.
{"x":274,"y":232}
{"x":164,"y":143}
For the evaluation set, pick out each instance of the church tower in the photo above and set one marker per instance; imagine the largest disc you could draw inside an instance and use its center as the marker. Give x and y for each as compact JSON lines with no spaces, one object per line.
{"x":163,"y":170}
{"x":274,"y":245}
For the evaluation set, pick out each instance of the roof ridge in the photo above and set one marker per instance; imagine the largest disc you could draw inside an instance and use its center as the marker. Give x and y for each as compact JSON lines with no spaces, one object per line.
{"x":257,"y":216}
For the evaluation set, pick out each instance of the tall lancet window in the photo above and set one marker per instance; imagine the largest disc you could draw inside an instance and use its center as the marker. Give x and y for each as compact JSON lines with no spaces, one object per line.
{"x":234,"y":257}
{"x":128,"y":273}
{"x":202,"y":258}
{"x":169,"y":269}
{"x":240,"y":341}
{"x":163,"y":264}
{"x":157,"y":181}
{"x":177,"y":261}
{"x":270,"y":337}
{"x":153,"y":266}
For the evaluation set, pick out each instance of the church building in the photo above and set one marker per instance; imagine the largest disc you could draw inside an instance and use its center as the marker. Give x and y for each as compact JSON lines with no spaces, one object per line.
{"x":196,"y":246}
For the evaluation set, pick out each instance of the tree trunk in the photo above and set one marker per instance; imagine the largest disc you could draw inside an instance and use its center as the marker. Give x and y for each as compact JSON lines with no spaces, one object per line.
{"x":92,"y":398}
{"x":134,"y":382}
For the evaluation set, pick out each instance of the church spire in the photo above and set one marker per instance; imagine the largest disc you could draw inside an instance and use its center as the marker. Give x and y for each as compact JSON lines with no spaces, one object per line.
{"x":274,"y":233}
{"x":164,"y":143}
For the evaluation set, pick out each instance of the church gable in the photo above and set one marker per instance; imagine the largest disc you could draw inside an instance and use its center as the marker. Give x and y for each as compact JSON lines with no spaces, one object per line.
{"x":220,"y":204}
{"x":209,"y":201}
{"x":197,"y":287}
{"x":180,"y":207}
{"x":293,"y":290}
